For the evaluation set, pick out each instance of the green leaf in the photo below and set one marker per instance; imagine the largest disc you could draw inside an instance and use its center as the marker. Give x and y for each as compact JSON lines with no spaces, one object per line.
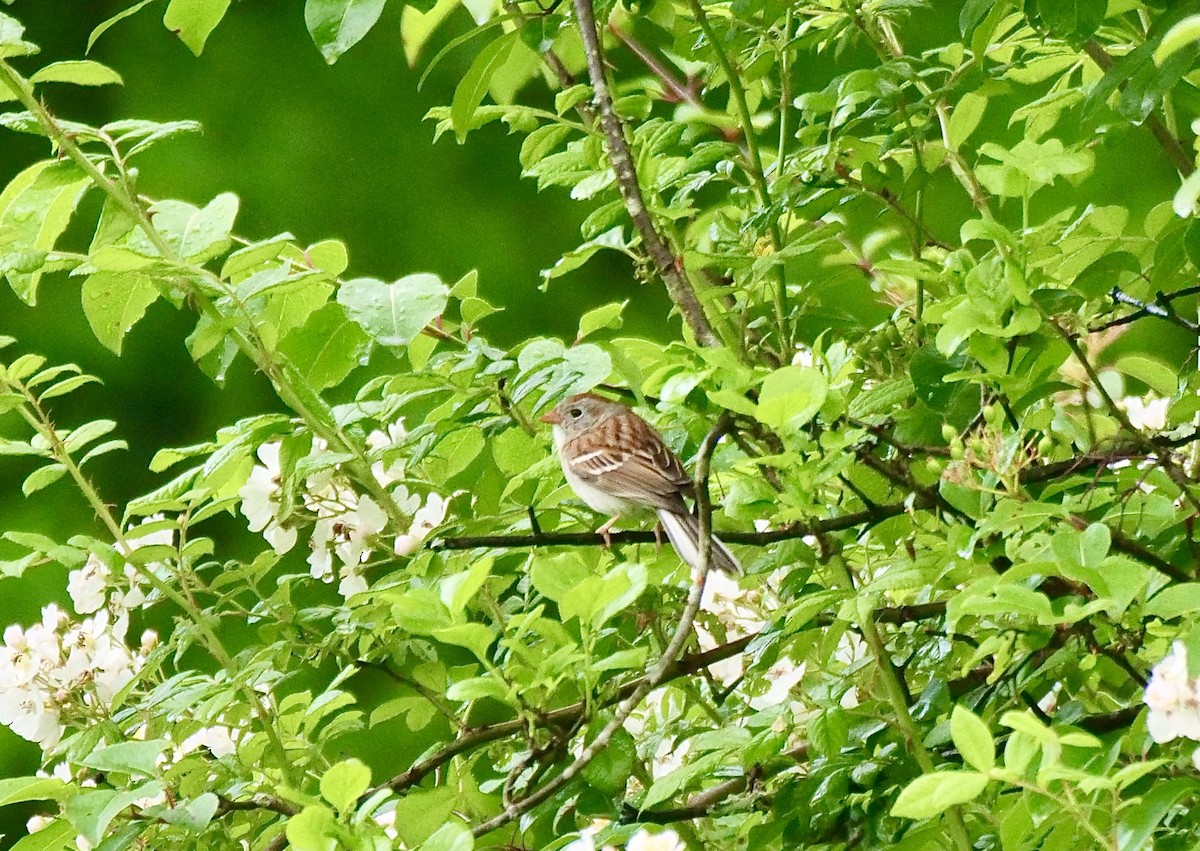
{"x":1174,"y":601}
{"x":1154,"y":373}
{"x":1135,"y":830}
{"x":194,"y":20}
{"x":1075,"y":20}
{"x":932,"y":794}
{"x":422,"y":812}
{"x":113,"y":302}
{"x":35,"y":209}
{"x":59,"y":835}
{"x":135,"y":758}
{"x":791,"y":396}
{"x":474,"y":636}
{"x":338,"y":25}
{"x":1183,"y":34}
{"x":92,"y":810}
{"x":313,"y":829}
{"x":327,"y":347}
{"x":42,"y":477}
{"x":393,"y":314}
{"x":194,"y":815}
{"x":103,"y":27}
{"x":610,"y":771}
{"x":197,"y":234}
{"x":973,"y":739}
{"x":344,"y":783}
{"x":556,"y":576}
{"x":459,"y":589}
{"x":18,"y":790}
{"x":452,"y":836}
{"x":474,"y":84}
{"x":607,"y":316}
{"x":81,"y":72}
{"x":965,"y":117}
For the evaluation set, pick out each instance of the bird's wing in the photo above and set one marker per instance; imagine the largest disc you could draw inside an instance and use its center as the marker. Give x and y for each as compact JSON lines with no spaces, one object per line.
{"x":626,"y":458}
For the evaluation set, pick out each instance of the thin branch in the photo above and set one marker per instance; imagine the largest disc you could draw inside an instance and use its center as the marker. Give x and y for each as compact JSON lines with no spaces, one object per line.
{"x":699,"y":805}
{"x":564,"y":716}
{"x":676,"y":90}
{"x":679,"y":288}
{"x":683,"y":631}
{"x":1162,"y":134}
{"x":1160,"y":308}
{"x":792,"y":532}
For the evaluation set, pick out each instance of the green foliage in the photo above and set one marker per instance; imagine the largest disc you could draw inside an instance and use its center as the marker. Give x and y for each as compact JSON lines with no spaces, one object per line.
{"x":957,"y":451}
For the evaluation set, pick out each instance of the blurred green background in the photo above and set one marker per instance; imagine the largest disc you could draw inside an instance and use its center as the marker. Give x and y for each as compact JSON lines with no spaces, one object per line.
{"x":319,"y":151}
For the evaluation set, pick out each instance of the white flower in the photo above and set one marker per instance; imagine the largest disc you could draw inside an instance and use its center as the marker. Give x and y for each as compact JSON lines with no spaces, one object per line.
{"x":37,"y":823}
{"x":261,"y":500}
{"x":380,"y":441}
{"x":219,"y":740}
{"x":30,"y":713}
{"x":643,"y":840}
{"x":87,"y":585}
{"x":1148,"y":413}
{"x":782,"y":676}
{"x":587,"y":841}
{"x":1173,"y":698}
{"x":427,"y":518}
{"x":352,"y":583}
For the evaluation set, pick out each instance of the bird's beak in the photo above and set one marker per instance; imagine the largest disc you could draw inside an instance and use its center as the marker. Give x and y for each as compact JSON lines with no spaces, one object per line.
{"x":551,"y":417}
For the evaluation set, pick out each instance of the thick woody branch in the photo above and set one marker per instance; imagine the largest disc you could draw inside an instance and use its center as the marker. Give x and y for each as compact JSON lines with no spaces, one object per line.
{"x":678,"y":286}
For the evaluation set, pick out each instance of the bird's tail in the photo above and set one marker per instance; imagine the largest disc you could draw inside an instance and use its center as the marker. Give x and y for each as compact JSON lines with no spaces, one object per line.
{"x":683,"y":530}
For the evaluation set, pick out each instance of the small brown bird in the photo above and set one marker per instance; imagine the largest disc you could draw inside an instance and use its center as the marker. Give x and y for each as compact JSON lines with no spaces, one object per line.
{"x":618,"y":465}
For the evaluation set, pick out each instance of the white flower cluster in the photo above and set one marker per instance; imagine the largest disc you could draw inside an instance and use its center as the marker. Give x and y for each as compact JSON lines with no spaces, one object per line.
{"x":58,"y":667}
{"x":347,"y":526}
{"x":643,"y":840}
{"x":92,"y":587}
{"x":1174,"y":700}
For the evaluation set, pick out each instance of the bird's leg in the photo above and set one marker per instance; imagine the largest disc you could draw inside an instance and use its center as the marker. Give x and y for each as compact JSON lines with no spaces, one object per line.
{"x":604,"y":530}
{"x":658,"y":533}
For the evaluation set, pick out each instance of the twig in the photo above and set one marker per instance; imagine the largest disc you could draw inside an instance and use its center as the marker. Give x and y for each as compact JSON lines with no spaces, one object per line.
{"x":698,"y":806}
{"x":679,"y":288}
{"x":677,"y":91}
{"x":563,"y":716}
{"x":1166,"y":140}
{"x":754,"y":539}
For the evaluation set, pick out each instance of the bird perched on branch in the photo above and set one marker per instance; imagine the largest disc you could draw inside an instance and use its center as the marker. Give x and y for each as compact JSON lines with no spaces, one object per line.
{"x":617,"y":464}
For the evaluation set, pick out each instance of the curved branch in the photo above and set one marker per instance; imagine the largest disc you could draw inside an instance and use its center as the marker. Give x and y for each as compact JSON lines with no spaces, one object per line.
{"x":683,"y":632}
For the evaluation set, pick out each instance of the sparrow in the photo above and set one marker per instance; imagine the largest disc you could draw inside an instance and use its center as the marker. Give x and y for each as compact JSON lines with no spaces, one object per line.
{"x":618,"y":464}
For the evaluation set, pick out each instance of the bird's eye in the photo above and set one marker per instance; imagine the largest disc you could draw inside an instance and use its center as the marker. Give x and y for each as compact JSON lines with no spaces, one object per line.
{"x":575,"y":413}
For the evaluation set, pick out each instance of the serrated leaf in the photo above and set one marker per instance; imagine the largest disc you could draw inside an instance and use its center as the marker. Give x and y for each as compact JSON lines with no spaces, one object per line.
{"x":113,"y":303}
{"x":474,"y":84}
{"x":393,"y":314}
{"x":338,"y":25}
{"x":194,"y":20}
{"x":35,"y":209}
{"x":327,"y":347}
{"x":344,"y":783}
{"x":81,"y":72}
{"x":42,"y":477}
{"x":933,"y":794}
